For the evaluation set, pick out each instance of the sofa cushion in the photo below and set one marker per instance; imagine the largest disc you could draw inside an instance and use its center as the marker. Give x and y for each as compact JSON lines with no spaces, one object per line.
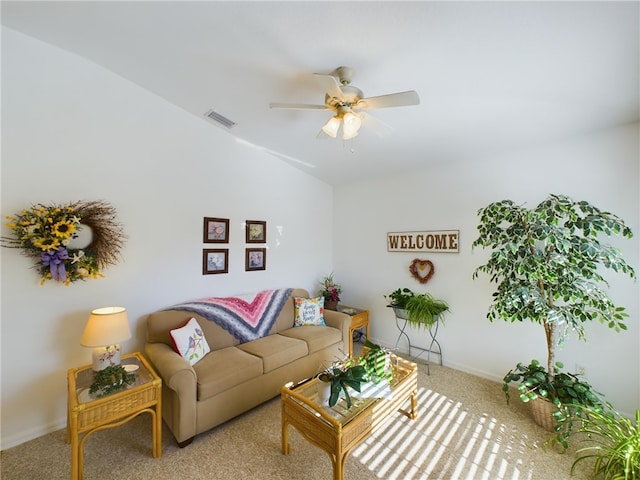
{"x":160,"y":323}
{"x":285,"y":319}
{"x":222,"y":369}
{"x":309,"y":311}
{"x":276,"y":350}
{"x":316,"y":337}
{"x":189,"y":341}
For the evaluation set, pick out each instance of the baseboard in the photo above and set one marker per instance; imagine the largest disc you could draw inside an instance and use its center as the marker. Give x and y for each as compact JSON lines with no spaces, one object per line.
{"x":435,"y":358}
{"x":474,"y":371}
{"x":26,"y":435}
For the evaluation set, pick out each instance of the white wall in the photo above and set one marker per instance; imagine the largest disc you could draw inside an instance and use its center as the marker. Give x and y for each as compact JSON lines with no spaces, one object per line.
{"x":73,"y":131}
{"x":602,"y":169}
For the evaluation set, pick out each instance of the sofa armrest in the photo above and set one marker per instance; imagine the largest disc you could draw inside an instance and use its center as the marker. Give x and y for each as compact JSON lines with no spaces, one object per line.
{"x":180,"y":377}
{"x":342,"y":322}
{"x":175,"y":371}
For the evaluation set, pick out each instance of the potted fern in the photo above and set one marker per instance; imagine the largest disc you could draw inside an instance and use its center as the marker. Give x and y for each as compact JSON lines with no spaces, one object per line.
{"x":420,"y":309}
{"x":547,"y":264}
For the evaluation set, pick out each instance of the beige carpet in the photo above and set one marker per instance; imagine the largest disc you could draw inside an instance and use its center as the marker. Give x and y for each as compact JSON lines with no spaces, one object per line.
{"x":464,"y":430}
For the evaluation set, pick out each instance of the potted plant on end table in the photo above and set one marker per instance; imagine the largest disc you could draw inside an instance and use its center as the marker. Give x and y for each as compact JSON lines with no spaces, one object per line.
{"x":547,"y":263}
{"x":331,"y":292}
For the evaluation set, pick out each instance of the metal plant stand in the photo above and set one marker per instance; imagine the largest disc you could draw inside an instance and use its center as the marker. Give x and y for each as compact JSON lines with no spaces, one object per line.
{"x":402,"y":322}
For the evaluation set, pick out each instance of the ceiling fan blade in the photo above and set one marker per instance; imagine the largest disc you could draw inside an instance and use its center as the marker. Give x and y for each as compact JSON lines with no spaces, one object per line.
{"x":331,"y":85}
{"x":298,"y":106}
{"x":376,"y":126}
{"x":400,"y":99}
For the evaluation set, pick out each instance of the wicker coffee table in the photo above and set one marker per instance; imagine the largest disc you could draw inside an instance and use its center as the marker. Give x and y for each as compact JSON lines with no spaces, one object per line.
{"x":339,"y":430}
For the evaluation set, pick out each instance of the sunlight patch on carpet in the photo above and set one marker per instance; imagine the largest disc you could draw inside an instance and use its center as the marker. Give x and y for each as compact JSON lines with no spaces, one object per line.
{"x":445,"y":441}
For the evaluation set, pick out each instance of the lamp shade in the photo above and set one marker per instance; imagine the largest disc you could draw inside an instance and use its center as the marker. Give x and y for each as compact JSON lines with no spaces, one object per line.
{"x":106,"y":326}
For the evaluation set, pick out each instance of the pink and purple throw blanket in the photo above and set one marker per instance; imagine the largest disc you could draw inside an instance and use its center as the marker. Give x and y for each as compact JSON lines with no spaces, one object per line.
{"x":247,"y":317}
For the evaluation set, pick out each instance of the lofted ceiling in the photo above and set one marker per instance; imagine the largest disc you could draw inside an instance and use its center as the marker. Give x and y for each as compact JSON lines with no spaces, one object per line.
{"x":491,"y":76}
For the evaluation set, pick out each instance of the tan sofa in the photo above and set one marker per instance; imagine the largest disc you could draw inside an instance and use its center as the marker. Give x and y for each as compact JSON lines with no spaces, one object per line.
{"x":235,"y":377}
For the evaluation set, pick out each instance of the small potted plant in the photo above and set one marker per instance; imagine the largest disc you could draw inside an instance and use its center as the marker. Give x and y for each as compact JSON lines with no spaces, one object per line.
{"x":372,"y":366}
{"x":377,"y":363}
{"x":420,"y":309}
{"x":338,"y":377}
{"x":331,"y":292}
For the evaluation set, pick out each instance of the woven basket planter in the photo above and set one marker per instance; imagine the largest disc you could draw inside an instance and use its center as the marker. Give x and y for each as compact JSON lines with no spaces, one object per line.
{"x":542,"y":410}
{"x":330,"y":304}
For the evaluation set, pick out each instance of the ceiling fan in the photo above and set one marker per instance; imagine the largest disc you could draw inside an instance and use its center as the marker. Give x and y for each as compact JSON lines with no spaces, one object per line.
{"x":348,"y":103}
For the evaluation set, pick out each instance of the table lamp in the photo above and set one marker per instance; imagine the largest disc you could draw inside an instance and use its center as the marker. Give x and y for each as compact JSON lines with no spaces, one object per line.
{"x":105,"y":329}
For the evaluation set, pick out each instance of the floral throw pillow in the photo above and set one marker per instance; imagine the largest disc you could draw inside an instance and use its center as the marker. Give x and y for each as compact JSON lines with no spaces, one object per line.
{"x":189,"y":341}
{"x":309,"y":311}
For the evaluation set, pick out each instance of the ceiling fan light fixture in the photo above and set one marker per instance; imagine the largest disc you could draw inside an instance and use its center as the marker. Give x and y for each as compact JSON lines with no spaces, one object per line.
{"x":342,"y":98}
{"x":351,"y":127}
{"x":349,"y":135}
{"x":332,"y":126}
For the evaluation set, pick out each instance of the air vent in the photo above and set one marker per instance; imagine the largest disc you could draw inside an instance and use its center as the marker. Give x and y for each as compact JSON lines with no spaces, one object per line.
{"x":222,"y":120}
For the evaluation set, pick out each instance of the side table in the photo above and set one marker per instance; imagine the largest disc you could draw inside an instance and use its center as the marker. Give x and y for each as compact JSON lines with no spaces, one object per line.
{"x":87,"y":414}
{"x":359,"y":319}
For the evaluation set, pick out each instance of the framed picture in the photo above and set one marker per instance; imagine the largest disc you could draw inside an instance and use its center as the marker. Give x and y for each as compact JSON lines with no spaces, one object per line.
{"x":255,"y":259}
{"x":216,"y":230}
{"x":215,"y":260}
{"x":256,"y":231}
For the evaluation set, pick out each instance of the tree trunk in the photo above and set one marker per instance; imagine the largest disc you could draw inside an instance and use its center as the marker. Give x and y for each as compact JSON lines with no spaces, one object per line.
{"x":550,"y":333}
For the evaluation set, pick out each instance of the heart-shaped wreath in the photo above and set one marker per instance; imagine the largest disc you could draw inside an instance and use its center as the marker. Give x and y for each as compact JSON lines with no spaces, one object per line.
{"x":421,"y":270}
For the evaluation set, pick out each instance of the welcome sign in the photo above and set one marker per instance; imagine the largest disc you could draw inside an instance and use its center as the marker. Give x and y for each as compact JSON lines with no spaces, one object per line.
{"x":430,"y":241}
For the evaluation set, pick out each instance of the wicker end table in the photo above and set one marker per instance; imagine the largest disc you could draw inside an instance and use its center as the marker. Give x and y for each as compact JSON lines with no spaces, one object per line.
{"x":87,"y":414}
{"x":359,"y":319}
{"x":339,"y":430}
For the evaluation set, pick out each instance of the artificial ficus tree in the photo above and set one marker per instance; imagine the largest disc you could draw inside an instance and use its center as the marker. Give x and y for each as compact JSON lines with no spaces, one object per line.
{"x":546,"y":262}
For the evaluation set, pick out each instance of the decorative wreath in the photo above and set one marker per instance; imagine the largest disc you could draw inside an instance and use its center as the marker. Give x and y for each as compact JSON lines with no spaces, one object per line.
{"x":422,"y":270}
{"x":45,"y":233}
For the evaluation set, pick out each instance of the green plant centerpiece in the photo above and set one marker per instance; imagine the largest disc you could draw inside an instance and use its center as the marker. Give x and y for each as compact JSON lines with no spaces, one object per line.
{"x":420,"y":309}
{"x":547,"y":263}
{"x":371,"y":366}
{"x":376,"y":362}
{"x":110,"y":380}
{"x":341,"y":375}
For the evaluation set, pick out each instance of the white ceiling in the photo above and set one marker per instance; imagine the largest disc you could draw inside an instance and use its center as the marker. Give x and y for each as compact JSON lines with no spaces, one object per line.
{"x":491,"y":76}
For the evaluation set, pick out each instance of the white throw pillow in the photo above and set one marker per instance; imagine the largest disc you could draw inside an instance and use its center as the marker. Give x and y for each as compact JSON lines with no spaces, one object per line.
{"x":189,"y":341}
{"x":309,"y":311}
